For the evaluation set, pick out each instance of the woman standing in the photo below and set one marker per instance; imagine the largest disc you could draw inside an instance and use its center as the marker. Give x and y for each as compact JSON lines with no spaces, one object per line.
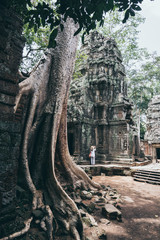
{"x":93,"y":149}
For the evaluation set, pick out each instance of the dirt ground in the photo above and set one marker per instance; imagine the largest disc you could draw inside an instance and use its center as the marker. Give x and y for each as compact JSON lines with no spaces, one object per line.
{"x":140,"y":209}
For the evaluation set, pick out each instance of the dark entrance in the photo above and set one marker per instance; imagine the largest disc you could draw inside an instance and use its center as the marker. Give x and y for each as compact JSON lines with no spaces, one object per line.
{"x":71,"y":143}
{"x":158,"y":153}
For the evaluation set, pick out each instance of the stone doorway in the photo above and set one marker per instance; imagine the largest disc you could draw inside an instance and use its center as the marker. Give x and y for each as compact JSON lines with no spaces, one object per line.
{"x":71,"y":143}
{"x":158,"y":154}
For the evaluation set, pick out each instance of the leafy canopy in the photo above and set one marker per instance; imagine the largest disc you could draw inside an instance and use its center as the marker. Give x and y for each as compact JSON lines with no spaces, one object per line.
{"x":86,"y":13}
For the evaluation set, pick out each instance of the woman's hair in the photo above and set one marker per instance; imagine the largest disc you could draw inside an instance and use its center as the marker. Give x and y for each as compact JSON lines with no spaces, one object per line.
{"x":92,"y":147}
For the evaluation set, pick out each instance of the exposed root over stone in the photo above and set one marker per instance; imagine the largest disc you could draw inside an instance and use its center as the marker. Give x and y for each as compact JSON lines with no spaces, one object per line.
{"x":22,"y":232}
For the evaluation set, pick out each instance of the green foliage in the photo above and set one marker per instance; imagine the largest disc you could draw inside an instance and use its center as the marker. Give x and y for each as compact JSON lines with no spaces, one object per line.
{"x":142,"y":129}
{"x":144,"y":82}
{"x":81,"y":58}
{"x":36,"y":43}
{"x":86,"y":13}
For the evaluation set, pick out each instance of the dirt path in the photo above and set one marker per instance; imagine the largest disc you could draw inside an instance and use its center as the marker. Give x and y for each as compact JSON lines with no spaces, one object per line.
{"x":140,"y":209}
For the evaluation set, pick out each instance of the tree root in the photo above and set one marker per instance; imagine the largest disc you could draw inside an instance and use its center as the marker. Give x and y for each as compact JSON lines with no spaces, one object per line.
{"x":65,"y":210}
{"x":49,"y":222}
{"x":22,"y":232}
{"x":75,"y":233}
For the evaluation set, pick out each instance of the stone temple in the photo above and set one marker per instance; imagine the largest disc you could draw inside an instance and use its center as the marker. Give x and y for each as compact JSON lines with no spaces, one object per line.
{"x":99,"y":112}
{"x":152,"y":135}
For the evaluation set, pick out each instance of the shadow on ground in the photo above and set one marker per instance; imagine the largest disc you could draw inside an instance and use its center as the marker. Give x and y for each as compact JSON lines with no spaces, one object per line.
{"x":140,"y":209}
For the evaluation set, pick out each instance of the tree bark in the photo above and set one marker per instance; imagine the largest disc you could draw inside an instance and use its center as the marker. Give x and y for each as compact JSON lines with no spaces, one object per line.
{"x":46,"y":161}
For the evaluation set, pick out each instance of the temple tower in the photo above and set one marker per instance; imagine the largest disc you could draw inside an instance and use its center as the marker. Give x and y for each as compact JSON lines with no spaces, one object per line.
{"x":99,"y":111}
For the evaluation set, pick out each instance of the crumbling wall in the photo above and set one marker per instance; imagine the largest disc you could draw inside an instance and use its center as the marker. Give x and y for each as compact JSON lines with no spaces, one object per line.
{"x":152,"y":135}
{"x":11,"y":46}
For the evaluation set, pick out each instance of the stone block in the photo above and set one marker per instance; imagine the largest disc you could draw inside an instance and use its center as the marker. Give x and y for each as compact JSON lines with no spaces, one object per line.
{"x":89,"y":220}
{"x":86,"y":195}
{"x":8,"y":197}
{"x":111,"y":212}
{"x":7,"y":99}
{"x":11,"y":127}
{"x":8,"y":87}
{"x":5,"y":139}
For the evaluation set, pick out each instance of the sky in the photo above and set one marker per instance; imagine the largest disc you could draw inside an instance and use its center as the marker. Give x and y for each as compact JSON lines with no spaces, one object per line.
{"x":149,"y":36}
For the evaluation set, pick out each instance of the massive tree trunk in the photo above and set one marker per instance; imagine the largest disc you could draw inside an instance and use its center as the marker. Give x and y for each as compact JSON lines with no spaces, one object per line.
{"x":46,"y":161}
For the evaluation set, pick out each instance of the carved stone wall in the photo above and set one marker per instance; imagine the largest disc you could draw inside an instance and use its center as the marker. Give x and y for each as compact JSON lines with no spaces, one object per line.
{"x":98,"y":103}
{"x":152,"y":135}
{"x":11,"y":46}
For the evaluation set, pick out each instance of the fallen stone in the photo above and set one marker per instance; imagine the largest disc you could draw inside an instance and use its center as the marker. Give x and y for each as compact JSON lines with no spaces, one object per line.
{"x":99,"y":193}
{"x":111,"y":194}
{"x":78,"y":201}
{"x":114,"y":197}
{"x":89,"y":220}
{"x":95,"y":198}
{"x":84,"y":204}
{"x":111,"y":212}
{"x":104,"y":221}
{"x":101,"y":200}
{"x":112,"y":202}
{"x":86,"y":195}
{"x":91,"y":207}
{"x":101,"y":204}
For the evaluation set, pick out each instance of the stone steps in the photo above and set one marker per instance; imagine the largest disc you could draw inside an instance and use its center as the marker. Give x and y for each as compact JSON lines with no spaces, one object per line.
{"x":152,"y":177}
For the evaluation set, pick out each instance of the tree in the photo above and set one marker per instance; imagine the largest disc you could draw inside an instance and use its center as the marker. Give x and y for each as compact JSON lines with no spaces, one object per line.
{"x":48,"y":88}
{"x":35,"y":45}
{"x":45,"y":159}
{"x":143,"y":84}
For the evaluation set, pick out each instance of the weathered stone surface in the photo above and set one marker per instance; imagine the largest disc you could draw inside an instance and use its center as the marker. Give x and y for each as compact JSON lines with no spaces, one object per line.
{"x":152,"y":135}
{"x":104,"y":221}
{"x":11,"y":47}
{"x":89,"y":220}
{"x":88,"y":205}
{"x":99,"y":112}
{"x":153,"y":125}
{"x":86,"y":195}
{"x":111,"y":212}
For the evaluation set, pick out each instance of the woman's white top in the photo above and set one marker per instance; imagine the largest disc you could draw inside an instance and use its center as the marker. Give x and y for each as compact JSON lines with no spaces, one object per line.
{"x":93,"y":152}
